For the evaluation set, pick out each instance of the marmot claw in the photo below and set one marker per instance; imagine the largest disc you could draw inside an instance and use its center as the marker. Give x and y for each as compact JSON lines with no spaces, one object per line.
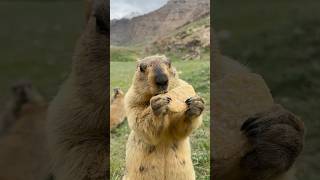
{"x":195,"y":106}
{"x":277,"y":140}
{"x":159,"y":104}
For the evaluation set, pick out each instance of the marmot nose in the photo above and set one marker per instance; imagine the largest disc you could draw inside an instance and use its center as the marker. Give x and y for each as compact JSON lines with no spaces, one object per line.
{"x":162,"y":81}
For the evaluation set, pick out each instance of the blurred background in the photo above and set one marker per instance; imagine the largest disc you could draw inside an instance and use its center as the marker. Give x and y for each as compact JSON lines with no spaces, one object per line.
{"x":37,"y":42}
{"x":279,"y":39}
{"x":37,"y":39}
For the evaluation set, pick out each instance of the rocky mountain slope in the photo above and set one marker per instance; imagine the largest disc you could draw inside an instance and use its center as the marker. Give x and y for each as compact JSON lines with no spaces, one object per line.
{"x":189,"y":42}
{"x":151,"y":26}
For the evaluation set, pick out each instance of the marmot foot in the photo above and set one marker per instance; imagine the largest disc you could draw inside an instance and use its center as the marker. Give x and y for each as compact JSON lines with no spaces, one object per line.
{"x":159,"y":104}
{"x":277,"y":139}
{"x":195,"y":107}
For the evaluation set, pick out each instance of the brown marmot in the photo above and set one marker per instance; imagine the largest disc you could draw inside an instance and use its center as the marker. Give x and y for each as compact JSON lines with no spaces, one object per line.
{"x":162,"y":111}
{"x":23,"y":152}
{"x":253,"y":138}
{"x":117,"y":112}
{"x":78,"y":115}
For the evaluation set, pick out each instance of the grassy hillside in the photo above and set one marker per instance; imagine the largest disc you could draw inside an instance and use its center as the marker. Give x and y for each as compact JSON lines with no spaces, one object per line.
{"x":196,"y":73}
{"x":281,"y":41}
{"x":189,"y":42}
{"x":125,"y":54}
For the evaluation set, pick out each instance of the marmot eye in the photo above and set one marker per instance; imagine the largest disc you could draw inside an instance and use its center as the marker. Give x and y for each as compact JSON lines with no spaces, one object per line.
{"x":142,"y":67}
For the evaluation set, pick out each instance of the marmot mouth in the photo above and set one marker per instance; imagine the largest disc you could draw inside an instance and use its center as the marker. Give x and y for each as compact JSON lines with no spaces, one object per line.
{"x":161,"y":92}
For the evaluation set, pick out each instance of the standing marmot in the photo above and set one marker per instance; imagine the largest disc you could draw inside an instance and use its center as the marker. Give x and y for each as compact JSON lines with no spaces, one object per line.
{"x":117,"y":112}
{"x":78,"y":116}
{"x":158,"y":147}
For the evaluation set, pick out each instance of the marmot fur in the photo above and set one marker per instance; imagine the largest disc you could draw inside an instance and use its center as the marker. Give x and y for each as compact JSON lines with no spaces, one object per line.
{"x":158,"y":147}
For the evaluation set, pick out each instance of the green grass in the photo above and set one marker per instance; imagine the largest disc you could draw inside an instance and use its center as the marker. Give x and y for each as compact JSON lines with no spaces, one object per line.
{"x":281,"y":41}
{"x":194,"y":72}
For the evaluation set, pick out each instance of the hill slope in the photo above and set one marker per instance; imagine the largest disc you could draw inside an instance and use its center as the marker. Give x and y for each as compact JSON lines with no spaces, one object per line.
{"x":171,"y":16}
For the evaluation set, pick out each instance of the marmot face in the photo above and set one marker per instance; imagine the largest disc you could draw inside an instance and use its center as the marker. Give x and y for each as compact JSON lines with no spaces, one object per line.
{"x":20,"y":92}
{"x":117,"y":94}
{"x":24,"y":92}
{"x":153,"y":75}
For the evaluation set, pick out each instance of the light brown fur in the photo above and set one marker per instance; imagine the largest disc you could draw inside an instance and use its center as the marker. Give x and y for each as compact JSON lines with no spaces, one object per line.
{"x":158,"y":147}
{"x":274,"y":142}
{"x":23,"y":150}
{"x":78,"y":115}
{"x":117,"y":112}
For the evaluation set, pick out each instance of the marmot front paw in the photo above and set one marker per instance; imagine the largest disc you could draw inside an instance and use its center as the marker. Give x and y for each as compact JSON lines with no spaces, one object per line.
{"x":159,"y":104}
{"x":195,"y":107}
{"x":101,"y":12}
{"x":277,"y":139}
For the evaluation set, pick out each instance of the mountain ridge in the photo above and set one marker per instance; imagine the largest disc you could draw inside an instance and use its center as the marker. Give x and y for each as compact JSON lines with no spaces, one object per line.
{"x":150,"y":26}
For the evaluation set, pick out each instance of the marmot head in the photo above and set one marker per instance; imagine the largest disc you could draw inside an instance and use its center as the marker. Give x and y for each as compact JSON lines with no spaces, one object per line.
{"x":117,"y":93}
{"x":153,"y":75}
{"x":23,"y":92}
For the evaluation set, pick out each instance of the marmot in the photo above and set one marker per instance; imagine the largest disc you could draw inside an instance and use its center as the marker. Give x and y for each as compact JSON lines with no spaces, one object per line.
{"x":22,"y":93}
{"x":23,"y":152}
{"x":117,"y":112}
{"x":253,"y":138}
{"x":158,"y":147}
{"x":78,"y":115}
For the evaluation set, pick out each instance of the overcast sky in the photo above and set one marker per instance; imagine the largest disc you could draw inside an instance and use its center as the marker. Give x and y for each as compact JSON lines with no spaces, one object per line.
{"x":121,"y":8}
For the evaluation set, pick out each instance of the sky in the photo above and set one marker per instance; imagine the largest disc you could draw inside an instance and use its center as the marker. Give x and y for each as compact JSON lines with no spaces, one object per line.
{"x":121,"y":8}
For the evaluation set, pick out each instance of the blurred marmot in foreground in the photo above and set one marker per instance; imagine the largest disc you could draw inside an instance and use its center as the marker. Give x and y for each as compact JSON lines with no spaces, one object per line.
{"x":252,"y":137}
{"x":23,"y":151}
{"x":78,"y":115}
{"x":162,"y":112}
{"x":117,"y":112}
